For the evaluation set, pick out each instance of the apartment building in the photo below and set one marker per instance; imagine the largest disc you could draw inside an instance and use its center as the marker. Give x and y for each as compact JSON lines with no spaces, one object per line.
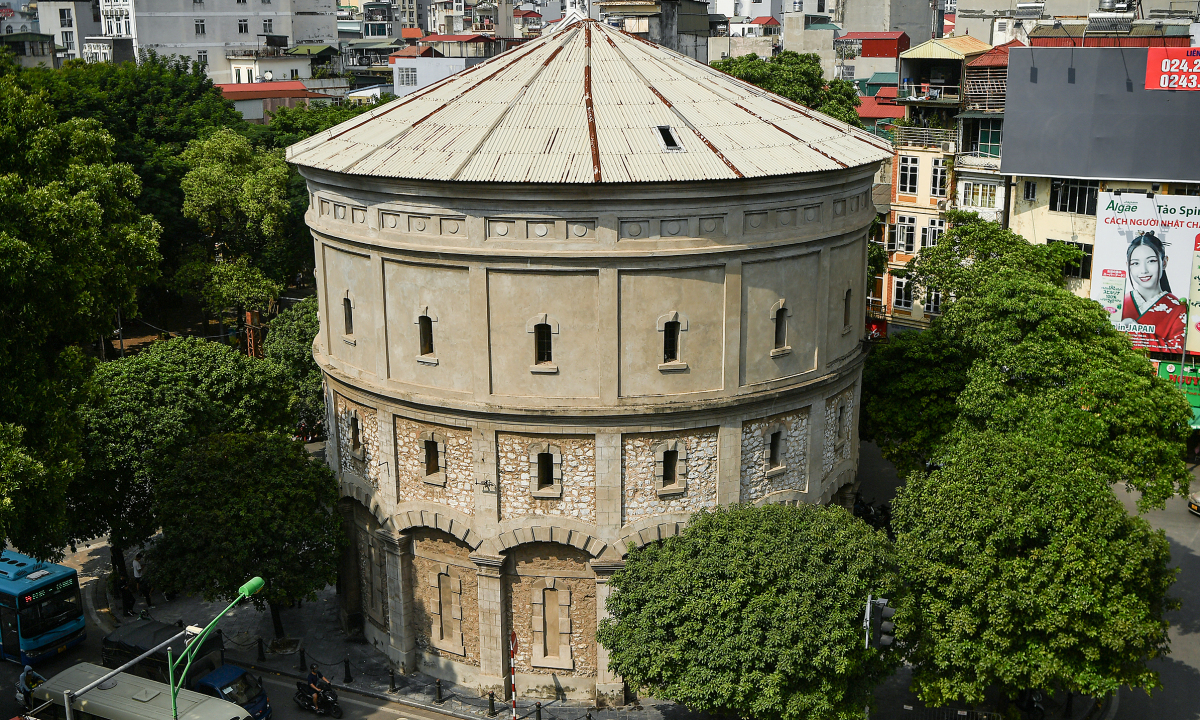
{"x":978,"y":185}
{"x":69,"y":21}
{"x":224,"y":35}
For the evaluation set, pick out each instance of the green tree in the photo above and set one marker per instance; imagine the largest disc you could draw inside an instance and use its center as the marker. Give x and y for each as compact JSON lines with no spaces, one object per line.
{"x":798,"y":78}
{"x":275,"y":519}
{"x":753,"y":612}
{"x":145,"y":410}
{"x":1023,"y":571}
{"x":289,"y":343}
{"x":1016,"y":352}
{"x":152,"y":108}
{"x":289,"y":126}
{"x":73,"y":251}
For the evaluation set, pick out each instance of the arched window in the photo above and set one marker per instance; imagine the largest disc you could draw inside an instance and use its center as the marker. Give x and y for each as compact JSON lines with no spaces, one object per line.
{"x":348,"y":315}
{"x":846,"y":309}
{"x":426,"y":328}
{"x":671,"y":341}
{"x":545,"y":470}
{"x":543,"y":345}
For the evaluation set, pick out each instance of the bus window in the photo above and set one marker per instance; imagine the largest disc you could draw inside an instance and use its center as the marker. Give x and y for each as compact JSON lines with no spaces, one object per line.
{"x":42,"y":614}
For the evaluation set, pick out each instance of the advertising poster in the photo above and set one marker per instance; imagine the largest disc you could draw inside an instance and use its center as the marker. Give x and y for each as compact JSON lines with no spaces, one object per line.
{"x":1173,"y":68}
{"x":1144,"y":267}
{"x":1187,"y":379}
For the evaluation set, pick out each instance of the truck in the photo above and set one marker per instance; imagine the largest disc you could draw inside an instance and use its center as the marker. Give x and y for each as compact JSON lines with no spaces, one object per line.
{"x":208,"y":675}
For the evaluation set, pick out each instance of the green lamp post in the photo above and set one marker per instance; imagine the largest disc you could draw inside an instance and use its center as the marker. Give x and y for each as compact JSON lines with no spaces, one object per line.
{"x":251,"y":587}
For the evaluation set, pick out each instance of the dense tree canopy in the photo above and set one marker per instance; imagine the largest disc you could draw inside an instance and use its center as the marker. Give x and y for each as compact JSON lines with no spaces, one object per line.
{"x":275,"y":520}
{"x":1023,"y":570}
{"x":73,"y":251}
{"x":798,"y":78}
{"x":753,"y":612}
{"x":289,"y":343}
{"x":146,"y":409}
{"x":1016,"y":352}
{"x":291,"y":125}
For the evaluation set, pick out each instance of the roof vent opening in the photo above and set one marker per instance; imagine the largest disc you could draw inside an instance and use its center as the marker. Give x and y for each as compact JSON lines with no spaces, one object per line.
{"x":670,"y":143}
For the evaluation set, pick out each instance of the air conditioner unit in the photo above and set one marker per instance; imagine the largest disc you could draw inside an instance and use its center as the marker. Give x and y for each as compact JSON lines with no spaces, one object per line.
{"x":942,"y":204}
{"x":948,"y":147}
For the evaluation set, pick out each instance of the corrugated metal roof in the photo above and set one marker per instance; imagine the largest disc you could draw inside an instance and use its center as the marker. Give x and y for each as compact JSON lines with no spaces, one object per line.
{"x":584,"y":105}
{"x":996,"y":57}
{"x":947,"y":48}
{"x":858,"y":35}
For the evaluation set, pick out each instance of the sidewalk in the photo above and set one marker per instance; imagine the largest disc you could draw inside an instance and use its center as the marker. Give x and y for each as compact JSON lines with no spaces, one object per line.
{"x":320,"y":639}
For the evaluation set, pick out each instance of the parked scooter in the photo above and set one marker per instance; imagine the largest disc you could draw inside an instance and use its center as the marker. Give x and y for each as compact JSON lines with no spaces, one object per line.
{"x":327,"y":700}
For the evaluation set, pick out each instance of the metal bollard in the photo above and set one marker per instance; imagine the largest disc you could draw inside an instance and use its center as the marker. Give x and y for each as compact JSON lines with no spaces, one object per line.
{"x":438,"y":684}
{"x":348,"y":679}
{"x":491,"y":704}
{"x":391,"y":680}
{"x":537,"y":711}
{"x":262,"y":656}
{"x":303,"y":665}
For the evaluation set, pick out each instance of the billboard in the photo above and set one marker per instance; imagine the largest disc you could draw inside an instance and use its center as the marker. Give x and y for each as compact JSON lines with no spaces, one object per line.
{"x":1145,"y":269}
{"x":1173,"y":68}
{"x":1187,"y":379}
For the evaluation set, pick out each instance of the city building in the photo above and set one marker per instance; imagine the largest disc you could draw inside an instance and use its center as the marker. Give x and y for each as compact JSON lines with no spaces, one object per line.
{"x":681,"y":25}
{"x":863,"y":54}
{"x":69,"y":21}
{"x":998,"y":21}
{"x":568,"y":298}
{"x":926,"y":144}
{"x":31,"y":49}
{"x":21,"y":19}
{"x":979,"y":186}
{"x":247,"y":33}
{"x":257,"y":100}
{"x":1138,"y":140}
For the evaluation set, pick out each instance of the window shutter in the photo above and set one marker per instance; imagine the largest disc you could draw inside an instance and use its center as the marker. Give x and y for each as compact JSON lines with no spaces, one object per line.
{"x":891,"y":244}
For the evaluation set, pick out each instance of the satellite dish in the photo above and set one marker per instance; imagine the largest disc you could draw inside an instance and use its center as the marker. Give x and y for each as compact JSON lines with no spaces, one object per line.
{"x":268,"y":76}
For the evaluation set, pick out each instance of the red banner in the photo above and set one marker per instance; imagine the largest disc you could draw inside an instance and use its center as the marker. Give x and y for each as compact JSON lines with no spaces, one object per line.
{"x":1173,"y":68}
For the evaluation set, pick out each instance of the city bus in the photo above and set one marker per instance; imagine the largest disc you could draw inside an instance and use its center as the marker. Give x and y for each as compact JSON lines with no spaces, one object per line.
{"x":40,"y":610}
{"x":125,"y":697}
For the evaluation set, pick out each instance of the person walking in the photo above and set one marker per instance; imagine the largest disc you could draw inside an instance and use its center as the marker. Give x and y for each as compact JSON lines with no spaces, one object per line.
{"x":127,"y":598}
{"x":139,"y":576}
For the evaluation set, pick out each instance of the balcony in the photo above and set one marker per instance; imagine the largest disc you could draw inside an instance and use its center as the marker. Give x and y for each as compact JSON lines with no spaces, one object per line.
{"x":929,"y":94}
{"x":975,"y":160}
{"x":924,"y":138}
{"x":262,"y":52}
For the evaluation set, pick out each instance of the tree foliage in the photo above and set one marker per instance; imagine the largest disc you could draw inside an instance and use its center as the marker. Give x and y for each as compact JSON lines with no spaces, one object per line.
{"x":798,"y":78}
{"x":152,"y":108}
{"x":753,"y":612}
{"x":289,"y":343}
{"x":1016,"y":352}
{"x":275,"y":519}
{"x":146,"y":409}
{"x":289,"y":126}
{"x":231,"y":284}
{"x":1023,"y":570}
{"x":73,"y":250}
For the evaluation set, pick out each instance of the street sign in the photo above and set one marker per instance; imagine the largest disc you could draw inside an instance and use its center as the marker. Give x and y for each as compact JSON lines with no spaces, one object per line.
{"x":512,"y":640}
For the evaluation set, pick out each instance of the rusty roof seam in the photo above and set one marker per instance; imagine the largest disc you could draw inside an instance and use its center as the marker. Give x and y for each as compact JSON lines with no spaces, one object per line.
{"x":564,"y":39}
{"x":674,"y":110}
{"x":587,"y":102}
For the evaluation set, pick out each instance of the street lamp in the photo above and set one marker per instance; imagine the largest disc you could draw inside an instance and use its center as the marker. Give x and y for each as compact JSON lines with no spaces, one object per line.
{"x":251,"y":587}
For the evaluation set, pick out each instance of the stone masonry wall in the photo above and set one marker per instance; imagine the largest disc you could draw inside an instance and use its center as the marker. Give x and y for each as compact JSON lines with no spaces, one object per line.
{"x":459,"y":490}
{"x":532,"y":563}
{"x":835,"y":453}
{"x":368,"y":433}
{"x":578,"y":477}
{"x":756,"y":438}
{"x":638,"y":474}
{"x":456,"y":555}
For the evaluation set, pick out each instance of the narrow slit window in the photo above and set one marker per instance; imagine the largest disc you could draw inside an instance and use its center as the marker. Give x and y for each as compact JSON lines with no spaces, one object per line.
{"x":545,"y":470}
{"x":355,"y":435}
{"x":550,"y":618}
{"x":670,"y":467}
{"x":668,"y":138}
{"x":846,"y":309}
{"x":841,"y":422}
{"x":544,"y":349}
{"x":426,"y":325}
{"x":432,"y":466}
{"x":671,"y":341}
{"x":775,"y":459}
{"x":446,"y":605}
{"x":780,"y":329}
{"x":348,"y":311}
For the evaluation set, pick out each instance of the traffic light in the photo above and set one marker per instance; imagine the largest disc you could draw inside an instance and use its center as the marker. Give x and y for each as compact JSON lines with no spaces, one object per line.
{"x":877,"y":623}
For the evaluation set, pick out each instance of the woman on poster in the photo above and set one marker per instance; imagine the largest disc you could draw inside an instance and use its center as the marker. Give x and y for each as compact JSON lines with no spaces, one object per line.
{"x":1152,"y":316}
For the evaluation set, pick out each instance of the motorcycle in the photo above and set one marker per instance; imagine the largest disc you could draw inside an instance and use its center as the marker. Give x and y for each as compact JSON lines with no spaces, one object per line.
{"x":327,"y":700}
{"x":21,"y":693}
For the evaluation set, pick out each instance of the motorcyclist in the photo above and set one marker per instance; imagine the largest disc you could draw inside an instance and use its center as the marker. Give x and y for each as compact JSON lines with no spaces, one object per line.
{"x":26,"y":683}
{"x":315,"y":678}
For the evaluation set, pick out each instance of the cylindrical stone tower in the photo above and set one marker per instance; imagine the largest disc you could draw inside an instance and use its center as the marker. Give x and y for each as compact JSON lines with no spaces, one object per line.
{"x":569,"y":297}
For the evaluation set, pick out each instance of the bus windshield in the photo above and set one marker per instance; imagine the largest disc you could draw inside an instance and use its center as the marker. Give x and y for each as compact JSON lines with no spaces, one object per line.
{"x":48,"y":612}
